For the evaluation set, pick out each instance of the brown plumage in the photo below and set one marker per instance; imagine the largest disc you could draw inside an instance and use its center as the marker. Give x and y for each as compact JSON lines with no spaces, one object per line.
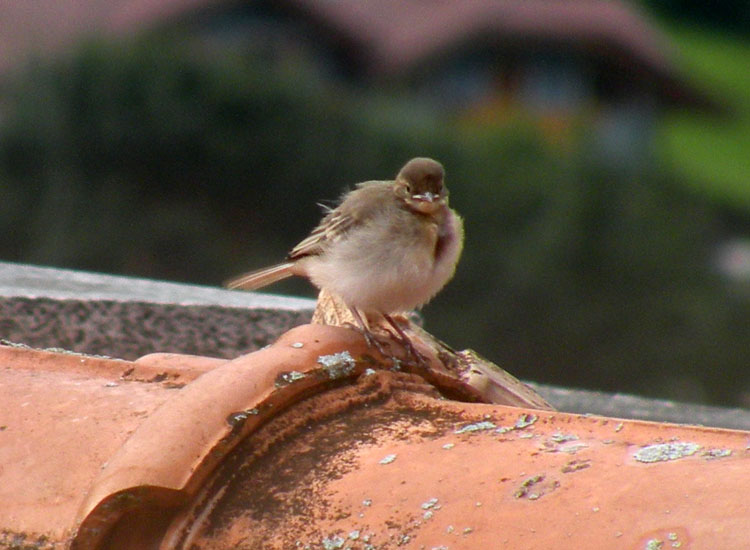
{"x":389,"y":246}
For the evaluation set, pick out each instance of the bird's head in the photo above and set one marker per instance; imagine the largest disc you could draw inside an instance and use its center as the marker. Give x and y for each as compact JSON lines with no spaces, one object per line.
{"x":420,"y":185}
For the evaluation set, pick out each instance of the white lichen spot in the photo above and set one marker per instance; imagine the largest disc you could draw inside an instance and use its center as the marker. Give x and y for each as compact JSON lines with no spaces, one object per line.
{"x":354,"y":535}
{"x":476,"y":427}
{"x":387,"y":459}
{"x":430,"y":504}
{"x":449,"y":446}
{"x":369,"y":372}
{"x":532,"y":490}
{"x":573,"y":449}
{"x":449,"y":529}
{"x":666,"y":451}
{"x":619,"y":427}
{"x":717,"y":453}
{"x":654,"y":544}
{"x":367,"y":502}
{"x":337,"y":365}
{"x":333,"y":543}
{"x":289,"y":377}
{"x":297,"y":345}
{"x":468,"y":530}
{"x":559,"y":437}
{"x":239,"y":417}
{"x":403,"y":539}
{"x":427,"y":515}
{"x":525,"y":420}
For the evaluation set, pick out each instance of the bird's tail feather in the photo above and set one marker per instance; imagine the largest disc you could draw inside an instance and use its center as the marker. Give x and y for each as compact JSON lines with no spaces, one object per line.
{"x":262,"y":277}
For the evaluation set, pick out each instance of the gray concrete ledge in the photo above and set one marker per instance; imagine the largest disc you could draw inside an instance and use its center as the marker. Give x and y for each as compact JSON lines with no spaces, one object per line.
{"x":642,"y":408}
{"x":126,"y":317}
{"x":20,"y":280}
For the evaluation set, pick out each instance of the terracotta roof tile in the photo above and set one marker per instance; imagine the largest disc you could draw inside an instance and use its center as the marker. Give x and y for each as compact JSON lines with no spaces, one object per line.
{"x":63,"y":417}
{"x":386,"y":461}
{"x":309,"y":441}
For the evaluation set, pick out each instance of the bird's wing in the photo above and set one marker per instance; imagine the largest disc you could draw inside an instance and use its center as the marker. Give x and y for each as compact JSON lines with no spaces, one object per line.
{"x":351,"y":213}
{"x":331,"y":228}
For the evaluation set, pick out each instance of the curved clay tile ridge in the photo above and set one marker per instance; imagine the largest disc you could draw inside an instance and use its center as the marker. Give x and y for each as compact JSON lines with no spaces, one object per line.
{"x":317,"y":442}
{"x":413,"y":471}
{"x":168,"y":458}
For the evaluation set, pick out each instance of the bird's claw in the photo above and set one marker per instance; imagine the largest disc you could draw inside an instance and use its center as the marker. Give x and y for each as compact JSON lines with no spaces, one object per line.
{"x":406,"y":342}
{"x":372,"y":341}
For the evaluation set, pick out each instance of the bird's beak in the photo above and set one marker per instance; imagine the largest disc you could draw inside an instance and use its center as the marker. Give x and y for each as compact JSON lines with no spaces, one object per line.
{"x":427,"y":197}
{"x":427,"y":202}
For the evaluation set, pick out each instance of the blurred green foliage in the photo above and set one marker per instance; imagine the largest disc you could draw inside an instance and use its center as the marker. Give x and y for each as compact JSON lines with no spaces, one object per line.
{"x":732,"y":15}
{"x":160,"y":161}
{"x":712,"y":155}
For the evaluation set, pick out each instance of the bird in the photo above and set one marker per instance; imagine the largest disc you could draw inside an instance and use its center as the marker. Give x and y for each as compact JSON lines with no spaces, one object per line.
{"x":388,"y":247}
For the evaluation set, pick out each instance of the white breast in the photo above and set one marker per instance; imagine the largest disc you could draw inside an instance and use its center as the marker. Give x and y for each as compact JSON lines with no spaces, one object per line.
{"x":375,"y":272}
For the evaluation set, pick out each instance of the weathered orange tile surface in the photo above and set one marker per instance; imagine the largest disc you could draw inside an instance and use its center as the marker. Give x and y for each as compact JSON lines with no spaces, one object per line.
{"x":58,"y":426}
{"x":410,"y":472}
{"x":311,"y":444}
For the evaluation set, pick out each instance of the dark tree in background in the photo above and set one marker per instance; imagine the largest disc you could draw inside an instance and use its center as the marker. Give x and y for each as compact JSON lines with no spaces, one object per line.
{"x":733,"y":15}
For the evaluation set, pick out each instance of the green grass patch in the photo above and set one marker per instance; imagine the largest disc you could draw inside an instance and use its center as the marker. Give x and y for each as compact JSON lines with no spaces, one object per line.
{"x":712,"y":154}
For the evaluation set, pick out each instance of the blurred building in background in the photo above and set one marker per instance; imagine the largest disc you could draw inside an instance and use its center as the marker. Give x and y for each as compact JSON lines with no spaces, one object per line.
{"x":562,"y":62}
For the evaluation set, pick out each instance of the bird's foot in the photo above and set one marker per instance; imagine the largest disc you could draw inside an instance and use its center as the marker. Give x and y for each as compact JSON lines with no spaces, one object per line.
{"x":399,"y":336}
{"x":372,"y":340}
{"x":406,"y":342}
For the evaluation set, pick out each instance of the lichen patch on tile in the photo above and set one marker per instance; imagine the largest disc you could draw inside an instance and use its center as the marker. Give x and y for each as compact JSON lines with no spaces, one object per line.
{"x":337,"y":365}
{"x":662,"y":452}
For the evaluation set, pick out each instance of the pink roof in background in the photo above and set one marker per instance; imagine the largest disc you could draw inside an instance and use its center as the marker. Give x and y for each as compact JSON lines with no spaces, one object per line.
{"x":398,"y":33}
{"x":40,"y":26}
{"x":387,"y":37}
{"x":424,"y":28}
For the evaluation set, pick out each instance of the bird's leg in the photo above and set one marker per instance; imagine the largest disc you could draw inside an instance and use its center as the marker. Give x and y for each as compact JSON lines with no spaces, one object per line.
{"x":406,"y":341}
{"x":372,"y":341}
